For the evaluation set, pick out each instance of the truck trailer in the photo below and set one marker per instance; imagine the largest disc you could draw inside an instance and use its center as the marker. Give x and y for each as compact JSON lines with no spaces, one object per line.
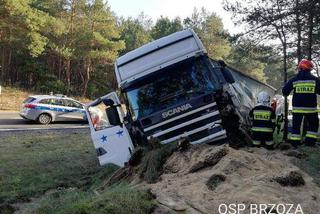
{"x":171,"y":90}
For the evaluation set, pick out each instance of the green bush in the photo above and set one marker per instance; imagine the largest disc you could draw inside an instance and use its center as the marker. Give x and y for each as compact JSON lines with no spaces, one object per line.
{"x":92,"y":90}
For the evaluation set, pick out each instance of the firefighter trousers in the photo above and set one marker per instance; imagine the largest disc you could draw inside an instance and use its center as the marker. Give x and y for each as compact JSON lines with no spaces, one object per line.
{"x":262,"y":138}
{"x":312,"y":128}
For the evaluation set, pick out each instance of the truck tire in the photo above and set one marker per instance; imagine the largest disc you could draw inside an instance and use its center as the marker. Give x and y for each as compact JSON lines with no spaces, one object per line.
{"x":44,"y":119}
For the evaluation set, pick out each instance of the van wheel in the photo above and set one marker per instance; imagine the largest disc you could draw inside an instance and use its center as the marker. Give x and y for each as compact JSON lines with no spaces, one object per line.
{"x":44,"y":119}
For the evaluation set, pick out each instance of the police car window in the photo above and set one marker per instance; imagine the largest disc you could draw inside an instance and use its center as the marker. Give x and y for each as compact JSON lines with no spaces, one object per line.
{"x":57,"y":102}
{"x":77,"y":105}
{"x":44,"y":101}
{"x":71,"y":103}
{"x":99,"y":117}
{"x":67,"y":103}
{"x":29,"y":100}
{"x":47,"y":101}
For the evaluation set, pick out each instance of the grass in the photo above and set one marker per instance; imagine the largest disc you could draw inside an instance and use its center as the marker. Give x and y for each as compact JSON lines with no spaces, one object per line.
{"x":119,"y":199}
{"x":310,"y":164}
{"x":152,"y":163}
{"x":32,"y":164}
{"x":59,"y":173}
{"x":12,"y":98}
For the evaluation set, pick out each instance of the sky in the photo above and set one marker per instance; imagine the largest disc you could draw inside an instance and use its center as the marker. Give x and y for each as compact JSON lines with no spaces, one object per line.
{"x":171,"y":9}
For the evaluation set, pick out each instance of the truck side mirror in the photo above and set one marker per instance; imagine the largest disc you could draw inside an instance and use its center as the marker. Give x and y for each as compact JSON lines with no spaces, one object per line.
{"x":113,"y":116}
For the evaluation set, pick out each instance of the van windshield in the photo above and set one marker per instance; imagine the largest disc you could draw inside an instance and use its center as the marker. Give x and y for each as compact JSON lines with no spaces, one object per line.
{"x":170,"y":87}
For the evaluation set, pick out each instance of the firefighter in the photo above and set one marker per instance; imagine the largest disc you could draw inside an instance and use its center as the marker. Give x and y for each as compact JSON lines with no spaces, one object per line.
{"x":305,"y":88}
{"x":263,"y":121}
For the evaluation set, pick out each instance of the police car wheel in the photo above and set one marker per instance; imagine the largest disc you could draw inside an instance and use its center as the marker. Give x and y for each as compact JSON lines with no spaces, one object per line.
{"x":44,"y":118}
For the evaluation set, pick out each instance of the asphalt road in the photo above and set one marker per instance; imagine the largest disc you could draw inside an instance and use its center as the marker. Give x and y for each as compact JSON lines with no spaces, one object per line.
{"x":11,"y":121}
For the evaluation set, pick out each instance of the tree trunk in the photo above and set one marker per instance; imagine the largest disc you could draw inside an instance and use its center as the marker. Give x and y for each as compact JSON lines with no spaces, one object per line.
{"x":68,"y":75}
{"x":285,"y":79}
{"x":59,"y":67}
{"x":3,"y":69}
{"x":73,"y":13}
{"x":310,"y":36}
{"x":69,"y":41}
{"x":299,"y":54}
{"x":283,"y":38}
{"x":86,"y":78}
{"x":52,"y":63}
{"x":9,"y":69}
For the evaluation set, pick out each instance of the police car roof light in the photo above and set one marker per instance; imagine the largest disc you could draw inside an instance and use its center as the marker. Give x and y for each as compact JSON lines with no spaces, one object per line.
{"x":60,"y":95}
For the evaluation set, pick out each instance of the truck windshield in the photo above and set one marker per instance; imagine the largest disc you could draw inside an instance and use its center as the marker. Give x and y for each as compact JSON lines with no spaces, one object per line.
{"x":171,"y":86}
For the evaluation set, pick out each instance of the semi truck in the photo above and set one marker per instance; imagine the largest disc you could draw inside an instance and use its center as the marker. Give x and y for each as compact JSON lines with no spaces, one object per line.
{"x":169,"y":90}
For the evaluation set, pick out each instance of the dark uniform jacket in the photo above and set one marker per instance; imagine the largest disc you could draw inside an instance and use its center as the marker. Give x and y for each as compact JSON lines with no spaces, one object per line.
{"x":305,"y":88}
{"x":263,"y":119}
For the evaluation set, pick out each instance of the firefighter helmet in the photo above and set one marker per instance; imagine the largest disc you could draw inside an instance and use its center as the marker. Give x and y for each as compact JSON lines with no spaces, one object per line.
{"x":305,"y":65}
{"x":263,"y":98}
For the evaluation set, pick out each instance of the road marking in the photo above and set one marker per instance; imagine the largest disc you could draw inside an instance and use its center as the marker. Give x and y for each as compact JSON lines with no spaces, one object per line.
{"x":42,"y":128}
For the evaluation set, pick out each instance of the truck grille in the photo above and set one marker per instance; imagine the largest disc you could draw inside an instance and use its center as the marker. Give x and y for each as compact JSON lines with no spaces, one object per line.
{"x":195,"y":125}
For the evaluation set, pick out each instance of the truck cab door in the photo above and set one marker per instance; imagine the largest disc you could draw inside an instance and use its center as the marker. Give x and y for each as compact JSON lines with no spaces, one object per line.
{"x":109,"y":135}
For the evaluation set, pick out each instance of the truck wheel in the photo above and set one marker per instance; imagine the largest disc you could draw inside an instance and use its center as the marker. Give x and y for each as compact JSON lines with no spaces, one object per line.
{"x":44,"y":119}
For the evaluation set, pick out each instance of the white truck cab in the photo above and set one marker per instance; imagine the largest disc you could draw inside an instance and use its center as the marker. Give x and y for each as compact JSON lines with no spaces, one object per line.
{"x":171,"y":90}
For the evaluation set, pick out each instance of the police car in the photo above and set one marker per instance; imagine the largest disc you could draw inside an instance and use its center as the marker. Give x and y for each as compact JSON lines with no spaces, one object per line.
{"x":50,"y":108}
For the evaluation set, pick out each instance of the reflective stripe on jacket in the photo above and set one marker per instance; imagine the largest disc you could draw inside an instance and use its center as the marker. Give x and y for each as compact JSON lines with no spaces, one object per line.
{"x":263,"y":119}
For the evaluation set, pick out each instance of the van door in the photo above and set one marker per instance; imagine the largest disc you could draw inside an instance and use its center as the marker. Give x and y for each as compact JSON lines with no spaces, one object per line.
{"x":109,"y":135}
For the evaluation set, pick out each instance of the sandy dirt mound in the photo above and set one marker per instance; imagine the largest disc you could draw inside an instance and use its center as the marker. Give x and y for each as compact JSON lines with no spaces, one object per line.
{"x":202,"y":178}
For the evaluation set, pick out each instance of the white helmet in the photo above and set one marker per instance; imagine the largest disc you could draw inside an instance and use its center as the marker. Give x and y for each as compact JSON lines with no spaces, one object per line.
{"x":263,"y":98}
